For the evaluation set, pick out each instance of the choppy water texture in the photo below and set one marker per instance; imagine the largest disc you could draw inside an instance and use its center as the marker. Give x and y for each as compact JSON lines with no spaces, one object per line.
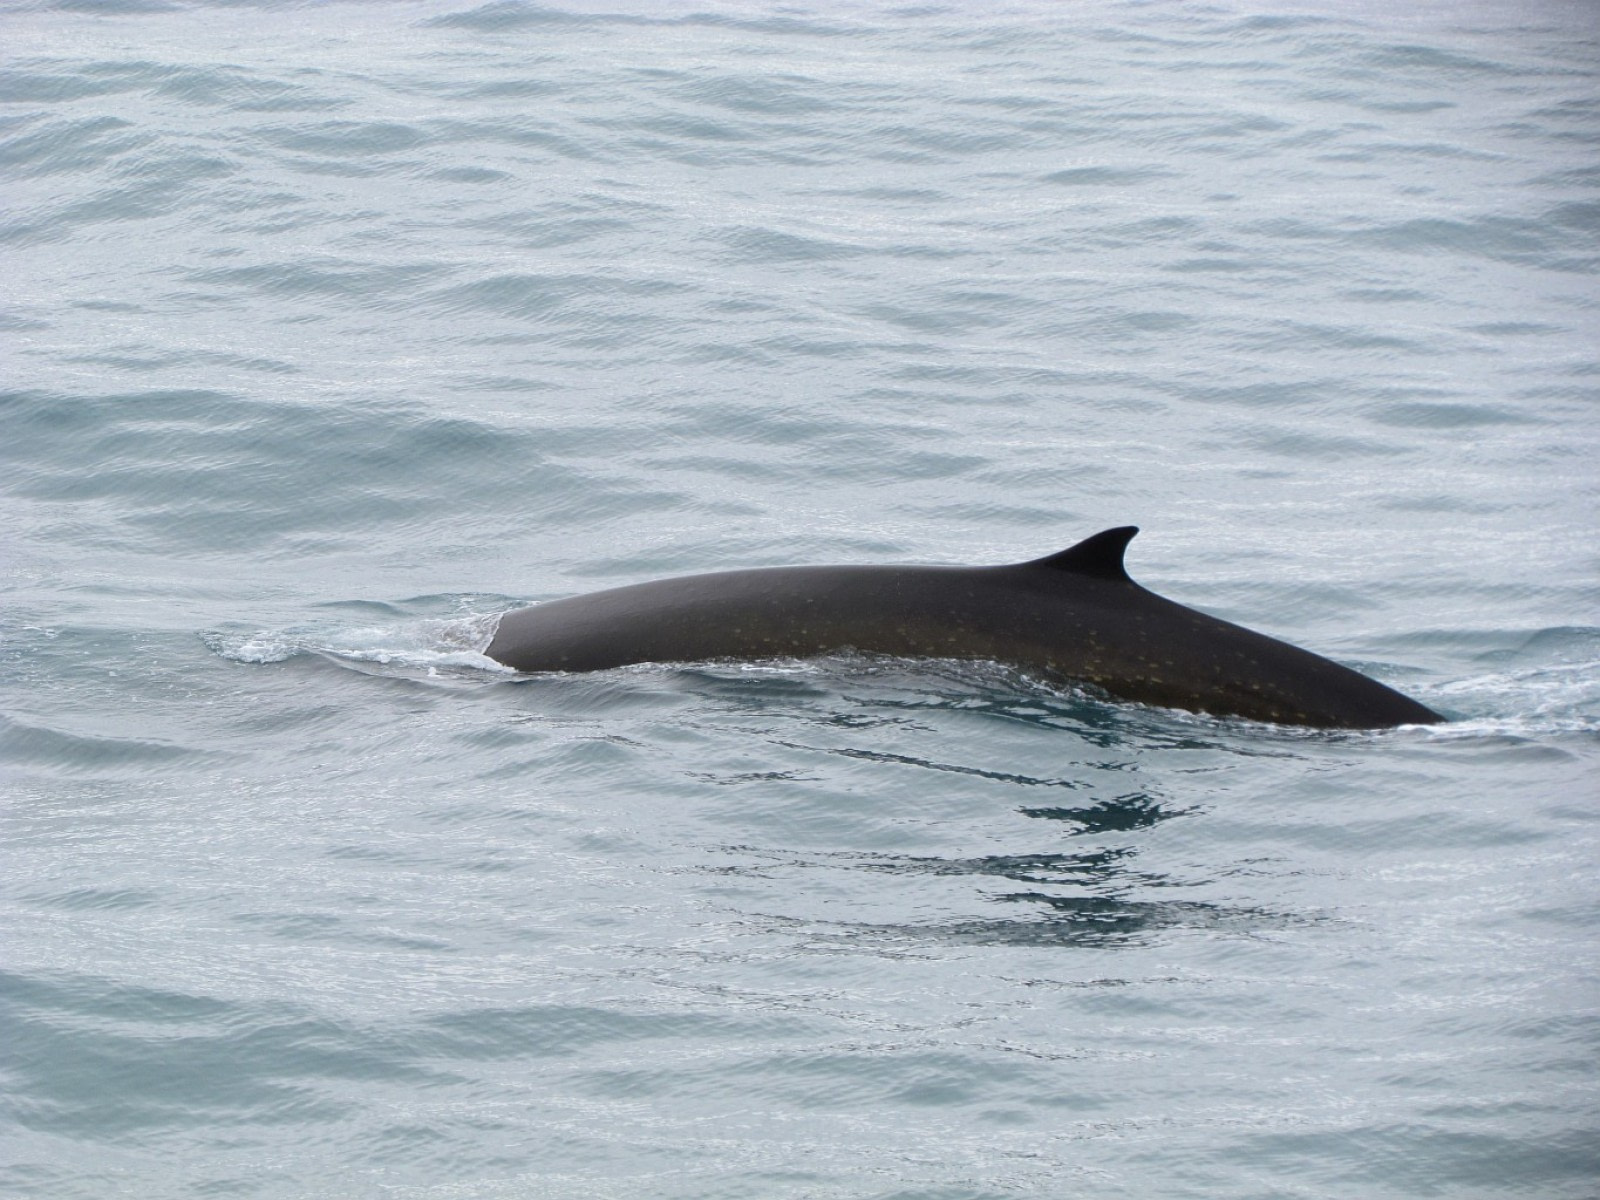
{"x":337,"y":329}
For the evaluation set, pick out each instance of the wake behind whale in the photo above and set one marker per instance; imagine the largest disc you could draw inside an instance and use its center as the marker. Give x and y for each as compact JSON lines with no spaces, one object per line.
{"x":1075,"y":614}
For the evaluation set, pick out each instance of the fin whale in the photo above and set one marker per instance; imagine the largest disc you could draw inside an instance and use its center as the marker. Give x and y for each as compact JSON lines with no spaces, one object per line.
{"x":1075,"y":614}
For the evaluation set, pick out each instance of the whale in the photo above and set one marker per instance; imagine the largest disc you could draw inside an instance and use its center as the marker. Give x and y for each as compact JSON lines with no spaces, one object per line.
{"x":1075,"y":615}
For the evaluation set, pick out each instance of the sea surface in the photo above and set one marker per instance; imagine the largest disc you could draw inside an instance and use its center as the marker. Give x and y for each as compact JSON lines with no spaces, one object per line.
{"x":336,"y":329}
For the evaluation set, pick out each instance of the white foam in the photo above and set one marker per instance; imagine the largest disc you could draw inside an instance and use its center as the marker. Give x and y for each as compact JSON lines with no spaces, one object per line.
{"x":452,"y":644}
{"x":1559,"y":697}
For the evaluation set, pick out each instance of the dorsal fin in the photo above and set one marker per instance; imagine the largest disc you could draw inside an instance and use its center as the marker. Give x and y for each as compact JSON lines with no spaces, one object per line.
{"x":1099,"y":556}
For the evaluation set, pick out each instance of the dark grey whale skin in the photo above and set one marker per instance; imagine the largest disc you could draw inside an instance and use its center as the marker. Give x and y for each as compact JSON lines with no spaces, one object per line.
{"x":1075,"y":614}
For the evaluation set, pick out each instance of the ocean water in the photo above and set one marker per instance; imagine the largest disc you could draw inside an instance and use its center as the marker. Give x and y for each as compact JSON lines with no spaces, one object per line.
{"x":335,"y":330}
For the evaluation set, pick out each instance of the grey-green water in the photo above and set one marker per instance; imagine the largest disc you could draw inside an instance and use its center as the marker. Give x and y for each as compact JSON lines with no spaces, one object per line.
{"x":335,"y":330}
